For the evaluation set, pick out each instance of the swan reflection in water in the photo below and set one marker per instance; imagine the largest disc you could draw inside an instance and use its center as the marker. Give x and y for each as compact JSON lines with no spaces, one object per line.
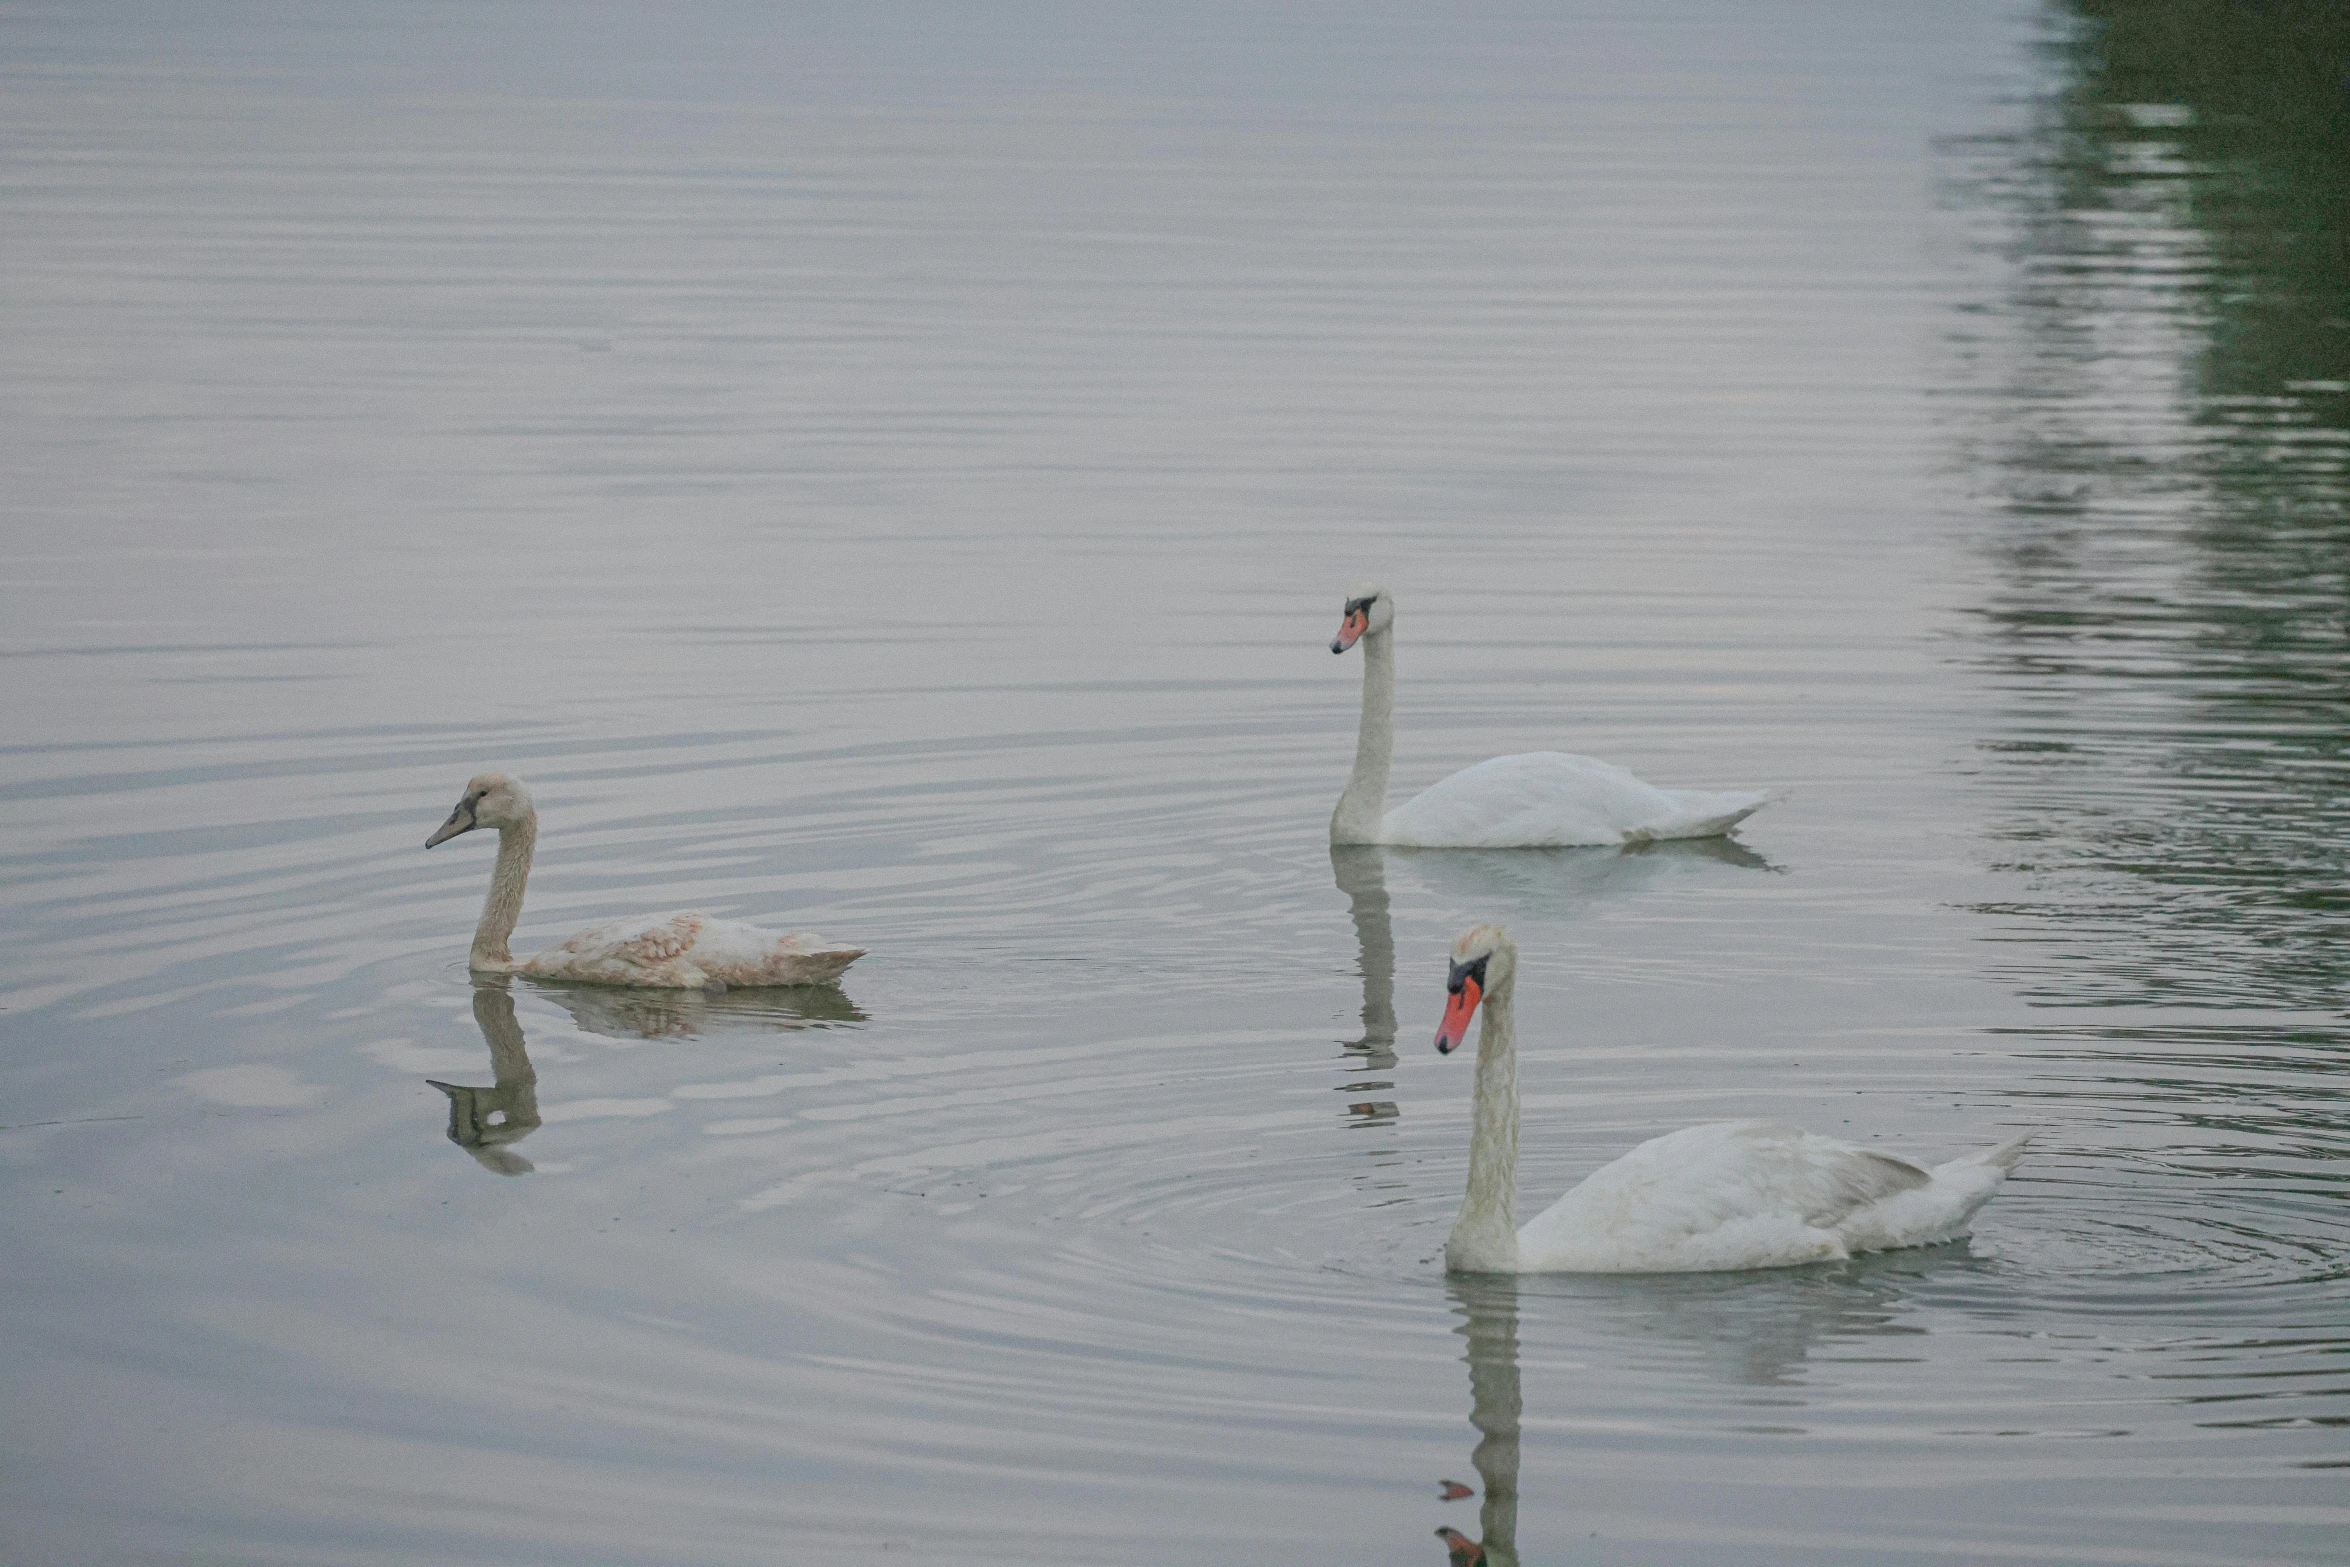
{"x":1489,"y":1321}
{"x":1743,"y":1331}
{"x":1556,"y":883}
{"x":1362,"y":876}
{"x":617,"y":1012}
{"x":1541,"y":883}
{"x":1756,"y":1329}
{"x":486,"y":1122}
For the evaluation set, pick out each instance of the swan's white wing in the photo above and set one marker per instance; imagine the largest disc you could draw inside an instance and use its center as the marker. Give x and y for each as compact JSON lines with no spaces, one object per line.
{"x":687,"y":951}
{"x":1734,"y":1194}
{"x":1546,"y":799}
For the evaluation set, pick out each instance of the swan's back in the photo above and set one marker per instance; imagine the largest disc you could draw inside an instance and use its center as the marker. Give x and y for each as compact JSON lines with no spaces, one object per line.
{"x":1553,"y":799}
{"x":1753,"y":1194}
{"x":687,"y":951}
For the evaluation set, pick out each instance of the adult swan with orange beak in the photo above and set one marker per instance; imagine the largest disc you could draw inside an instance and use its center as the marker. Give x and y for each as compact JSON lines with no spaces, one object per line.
{"x":1540,"y":800}
{"x":1731,"y":1194}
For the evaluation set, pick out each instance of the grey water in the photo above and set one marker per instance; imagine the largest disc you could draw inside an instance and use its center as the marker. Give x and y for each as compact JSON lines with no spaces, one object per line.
{"x":892,"y":471}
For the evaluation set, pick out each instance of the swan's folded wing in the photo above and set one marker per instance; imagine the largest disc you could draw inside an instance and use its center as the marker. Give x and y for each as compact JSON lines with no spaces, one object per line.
{"x":1543,"y":799}
{"x":1758,"y":1167}
{"x":1554,"y":799}
{"x":1651,"y":1206}
{"x":1835,"y":1180}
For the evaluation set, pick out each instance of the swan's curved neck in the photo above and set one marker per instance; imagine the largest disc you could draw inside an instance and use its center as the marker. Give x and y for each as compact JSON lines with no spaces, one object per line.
{"x":504,"y":905}
{"x":1359,"y":809}
{"x":1485,"y":1237}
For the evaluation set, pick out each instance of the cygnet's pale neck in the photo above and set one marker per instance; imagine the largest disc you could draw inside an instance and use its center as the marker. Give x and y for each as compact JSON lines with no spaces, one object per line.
{"x":1363,"y":805}
{"x":1485,"y":1237}
{"x":503,"y":907}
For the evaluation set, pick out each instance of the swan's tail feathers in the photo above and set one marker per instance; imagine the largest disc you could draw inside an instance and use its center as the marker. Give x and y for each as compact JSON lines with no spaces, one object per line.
{"x":1700,"y":814}
{"x":825,"y":966}
{"x":2003,"y":1157}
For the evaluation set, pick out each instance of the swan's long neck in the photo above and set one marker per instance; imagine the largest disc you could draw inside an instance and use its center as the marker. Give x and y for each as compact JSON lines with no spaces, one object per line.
{"x":504,"y":905}
{"x":1359,"y":809}
{"x":1485,"y":1237}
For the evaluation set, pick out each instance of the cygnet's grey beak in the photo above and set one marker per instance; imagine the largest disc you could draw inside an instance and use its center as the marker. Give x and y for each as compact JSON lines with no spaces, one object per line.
{"x":460,"y":820}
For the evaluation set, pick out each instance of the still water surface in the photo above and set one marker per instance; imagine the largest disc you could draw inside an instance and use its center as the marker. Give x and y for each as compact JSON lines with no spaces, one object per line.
{"x":896,"y":476}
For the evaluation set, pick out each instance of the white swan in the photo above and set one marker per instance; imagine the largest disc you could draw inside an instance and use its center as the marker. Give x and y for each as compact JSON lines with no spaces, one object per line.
{"x":1543,"y":799}
{"x":1732,"y":1194}
{"x":669,"y":951}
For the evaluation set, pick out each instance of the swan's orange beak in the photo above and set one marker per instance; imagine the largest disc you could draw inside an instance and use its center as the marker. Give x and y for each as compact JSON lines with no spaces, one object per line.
{"x":1458,"y":1009}
{"x":1351,"y":629}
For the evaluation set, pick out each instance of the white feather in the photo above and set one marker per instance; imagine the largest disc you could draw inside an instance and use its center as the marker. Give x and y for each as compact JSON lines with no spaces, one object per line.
{"x":1552,"y":799}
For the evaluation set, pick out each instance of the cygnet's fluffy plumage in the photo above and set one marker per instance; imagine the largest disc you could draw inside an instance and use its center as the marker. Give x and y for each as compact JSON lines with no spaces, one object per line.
{"x":683,"y":951}
{"x":687,"y":951}
{"x":1730,"y":1194}
{"x":1537,"y":800}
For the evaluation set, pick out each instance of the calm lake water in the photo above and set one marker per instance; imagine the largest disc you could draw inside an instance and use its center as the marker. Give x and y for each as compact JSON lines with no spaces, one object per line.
{"x":893,"y":472}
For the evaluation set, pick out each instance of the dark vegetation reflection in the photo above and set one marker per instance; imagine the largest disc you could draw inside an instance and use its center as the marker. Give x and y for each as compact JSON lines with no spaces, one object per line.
{"x":487,"y":1122}
{"x":2167,"y":366}
{"x":2161,"y":375}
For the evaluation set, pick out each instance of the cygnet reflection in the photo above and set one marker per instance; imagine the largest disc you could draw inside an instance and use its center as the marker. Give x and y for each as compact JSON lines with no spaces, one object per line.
{"x":1362,"y":876}
{"x":617,"y":1012}
{"x":485,"y":1122}
{"x":1556,"y":883}
{"x":1489,"y":1321}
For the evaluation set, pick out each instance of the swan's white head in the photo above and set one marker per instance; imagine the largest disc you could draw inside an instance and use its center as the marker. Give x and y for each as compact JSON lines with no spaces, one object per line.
{"x":1370,"y":610}
{"x":1484,"y":961}
{"x":491,"y":800}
